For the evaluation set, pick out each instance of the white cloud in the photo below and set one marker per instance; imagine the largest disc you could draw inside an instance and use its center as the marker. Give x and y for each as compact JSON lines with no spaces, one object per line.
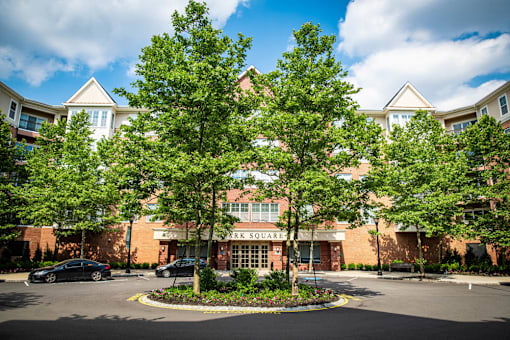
{"x":425,"y":42}
{"x":41,"y":37}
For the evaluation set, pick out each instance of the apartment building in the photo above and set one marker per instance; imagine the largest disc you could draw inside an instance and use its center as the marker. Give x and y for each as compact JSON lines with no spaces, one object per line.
{"x":256,"y":242}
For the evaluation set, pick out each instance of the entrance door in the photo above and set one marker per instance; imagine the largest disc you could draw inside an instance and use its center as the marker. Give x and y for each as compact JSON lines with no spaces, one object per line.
{"x":250,"y":255}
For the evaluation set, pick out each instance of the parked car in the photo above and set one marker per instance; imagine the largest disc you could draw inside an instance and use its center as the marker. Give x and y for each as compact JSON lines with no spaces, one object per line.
{"x":180,"y":267}
{"x":69,"y":270}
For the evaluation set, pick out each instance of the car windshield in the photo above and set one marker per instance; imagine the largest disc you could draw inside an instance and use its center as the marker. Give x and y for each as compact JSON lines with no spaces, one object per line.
{"x":62,"y":263}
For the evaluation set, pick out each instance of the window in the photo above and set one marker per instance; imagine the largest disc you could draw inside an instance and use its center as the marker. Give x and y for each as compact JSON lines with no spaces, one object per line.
{"x":31,"y":123}
{"x":503,"y":105}
{"x":399,"y":119}
{"x":471,"y":215}
{"x":12,"y":109}
{"x":367,"y":216}
{"x":261,"y":142}
{"x":507,"y":130}
{"x":112,"y":124}
{"x":267,"y":176}
{"x":304,"y":252}
{"x":345,"y":177}
{"x":265,"y":212}
{"x":153,"y":218}
{"x":104,"y":115}
{"x":240,"y":210}
{"x":462,"y":126}
{"x":240,"y":174}
{"x":484,"y":111}
{"x":338,"y":150}
{"x":93,"y":117}
{"x":339,"y":122}
{"x":135,"y":220}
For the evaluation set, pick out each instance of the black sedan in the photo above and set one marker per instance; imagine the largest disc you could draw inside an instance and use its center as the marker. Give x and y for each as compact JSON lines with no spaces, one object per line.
{"x":71,"y":270}
{"x":181,"y":267}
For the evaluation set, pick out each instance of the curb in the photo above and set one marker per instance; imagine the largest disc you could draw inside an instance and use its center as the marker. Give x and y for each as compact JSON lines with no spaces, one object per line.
{"x":248,"y":310}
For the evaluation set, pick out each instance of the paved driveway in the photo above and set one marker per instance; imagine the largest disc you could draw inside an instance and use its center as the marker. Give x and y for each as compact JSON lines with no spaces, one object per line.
{"x":378,"y":309}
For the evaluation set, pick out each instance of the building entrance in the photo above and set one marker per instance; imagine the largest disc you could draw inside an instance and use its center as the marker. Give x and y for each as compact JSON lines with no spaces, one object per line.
{"x":250,"y":255}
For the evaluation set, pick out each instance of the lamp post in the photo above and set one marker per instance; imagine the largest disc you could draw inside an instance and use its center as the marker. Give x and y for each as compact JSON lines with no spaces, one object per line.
{"x":128,"y":246}
{"x":379,"y":271}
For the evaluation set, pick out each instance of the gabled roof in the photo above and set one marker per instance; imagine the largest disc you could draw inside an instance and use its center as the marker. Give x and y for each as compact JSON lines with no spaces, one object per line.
{"x":251,"y":67}
{"x":91,"y":93}
{"x":408,"y":97}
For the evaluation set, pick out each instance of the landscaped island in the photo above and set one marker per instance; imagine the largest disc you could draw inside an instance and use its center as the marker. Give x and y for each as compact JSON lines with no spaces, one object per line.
{"x":244,"y":291}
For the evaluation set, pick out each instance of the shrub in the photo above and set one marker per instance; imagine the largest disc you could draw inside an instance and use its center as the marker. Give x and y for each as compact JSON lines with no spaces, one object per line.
{"x":359,"y":266}
{"x":37,"y":255}
{"x":369,"y":267}
{"x":275,"y":280}
{"x":444,"y":267}
{"x":474,"y":268}
{"x":454,"y":267}
{"x":48,"y":263}
{"x":145,"y":265}
{"x":245,"y":279}
{"x":343,"y":266}
{"x":351,"y":266}
{"x":451,"y":257}
{"x":385,"y":267}
{"x":154,"y":265}
{"x":397,"y":261}
{"x":122,"y":265}
{"x":207,"y":279}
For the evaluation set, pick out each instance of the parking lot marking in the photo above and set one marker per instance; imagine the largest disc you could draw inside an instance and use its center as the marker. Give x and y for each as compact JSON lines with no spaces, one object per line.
{"x":348,"y":297}
{"x":135,"y":297}
{"x":26,"y":283}
{"x":354,"y":278}
{"x":141,"y":277}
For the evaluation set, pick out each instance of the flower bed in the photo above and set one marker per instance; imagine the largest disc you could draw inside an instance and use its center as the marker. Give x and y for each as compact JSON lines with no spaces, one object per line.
{"x":243,"y":291}
{"x":183,"y":295}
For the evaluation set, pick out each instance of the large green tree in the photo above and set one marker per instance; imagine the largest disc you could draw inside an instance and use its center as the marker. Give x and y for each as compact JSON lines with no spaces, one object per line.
{"x":307,"y":108}
{"x":11,"y":171}
{"x":197,"y":113}
{"x":124,"y":157}
{"x":422,"y":174}
{"x":66,"y":187}
{"x":487,"y":151}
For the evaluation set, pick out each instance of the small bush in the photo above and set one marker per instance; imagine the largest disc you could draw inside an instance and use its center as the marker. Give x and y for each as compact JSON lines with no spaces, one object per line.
{"x":245,"y":279}
{"x":385,"y":267}
{"x":359,"y":266}
{"x":368,"y":267}
{"x":48,"y":263}
{"x":453,"y":267}
{"x":275,"y":280}
{"x":145,"y":265}
{"x":351,"y":266}
{"x":474,"y":268}
{"x":122,"y":265}
{"x":154,"y":265}
{"x":445,"y":267}
{"x":343,"y":266}
{"x":207,"y":279}
{"x":397,"y":261}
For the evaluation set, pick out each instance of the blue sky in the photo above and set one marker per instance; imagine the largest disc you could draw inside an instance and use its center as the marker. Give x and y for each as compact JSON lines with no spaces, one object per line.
{"x":453,"y":51}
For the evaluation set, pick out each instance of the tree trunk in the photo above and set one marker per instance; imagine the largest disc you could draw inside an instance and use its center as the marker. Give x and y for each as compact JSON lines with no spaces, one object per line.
{"x":82,"y":244}
{"x":211,"y":228}
{"x":196,"y":269}
{"x":440,"y":249}
{"x":287,"y":266}
{"x":310,"y":265}
{"x":187,"y":255}
{"x":295,"y":287}
{"x":420,"y":254}
{"x":55,"y":249}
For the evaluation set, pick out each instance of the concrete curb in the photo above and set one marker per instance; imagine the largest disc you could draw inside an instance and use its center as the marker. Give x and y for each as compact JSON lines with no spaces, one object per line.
{"x":236,"y":309}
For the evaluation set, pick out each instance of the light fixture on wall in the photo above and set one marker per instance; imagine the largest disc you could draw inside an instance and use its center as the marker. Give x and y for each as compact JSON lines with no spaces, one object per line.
{"x":163,"y":248}
{"x":221,"y":248}
{"x":336,"y":248}
{"x":277,"y":248}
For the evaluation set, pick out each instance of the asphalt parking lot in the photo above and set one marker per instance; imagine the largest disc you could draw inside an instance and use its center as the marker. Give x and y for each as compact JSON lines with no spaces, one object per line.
{"x":377,"y":309}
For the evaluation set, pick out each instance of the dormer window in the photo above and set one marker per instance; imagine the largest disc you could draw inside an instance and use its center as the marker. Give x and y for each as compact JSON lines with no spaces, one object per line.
{"x":503,"y":105}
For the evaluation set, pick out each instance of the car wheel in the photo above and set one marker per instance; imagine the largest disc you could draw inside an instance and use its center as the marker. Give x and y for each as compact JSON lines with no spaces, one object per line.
{"x":50,"y":278}
{"x":96,"y":276}
{"x":166,"y":273}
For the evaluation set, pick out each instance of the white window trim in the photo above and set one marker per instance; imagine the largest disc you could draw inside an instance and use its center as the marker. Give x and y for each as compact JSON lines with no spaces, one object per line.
{"x":486,"y":108}
{"x":148,"y":218}
{"x":507,"y":106}
{"x":15,"y":111}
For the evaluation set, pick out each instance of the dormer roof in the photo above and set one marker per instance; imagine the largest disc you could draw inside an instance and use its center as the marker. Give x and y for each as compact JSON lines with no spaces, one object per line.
{"x":408,"y":98}
{"x":91,"y":93}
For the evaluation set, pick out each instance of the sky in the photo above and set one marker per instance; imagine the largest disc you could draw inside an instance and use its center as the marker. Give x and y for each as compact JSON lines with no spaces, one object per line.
{"x":453,"y":51}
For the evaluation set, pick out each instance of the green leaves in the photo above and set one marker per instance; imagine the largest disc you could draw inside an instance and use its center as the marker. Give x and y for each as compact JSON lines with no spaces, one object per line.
{"x":67,"y":187}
